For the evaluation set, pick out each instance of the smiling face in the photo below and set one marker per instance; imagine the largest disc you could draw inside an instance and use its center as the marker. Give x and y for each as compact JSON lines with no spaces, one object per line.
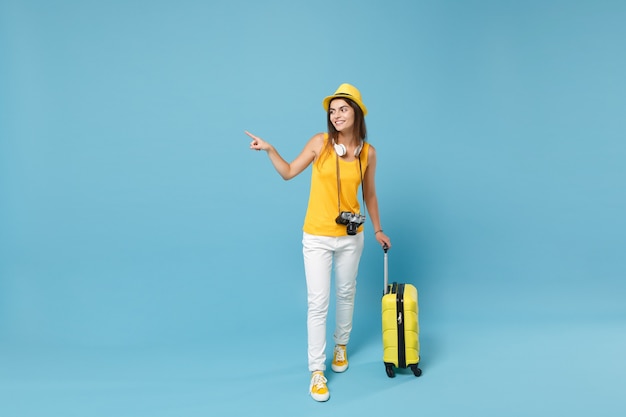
{"x":341,"y":115}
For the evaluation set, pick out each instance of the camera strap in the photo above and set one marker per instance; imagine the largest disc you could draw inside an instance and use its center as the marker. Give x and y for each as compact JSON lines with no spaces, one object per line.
{"x":339,"y":183}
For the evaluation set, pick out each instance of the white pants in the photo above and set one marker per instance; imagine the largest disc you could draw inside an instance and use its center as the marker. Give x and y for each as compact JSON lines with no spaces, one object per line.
{"x":319,"y":252}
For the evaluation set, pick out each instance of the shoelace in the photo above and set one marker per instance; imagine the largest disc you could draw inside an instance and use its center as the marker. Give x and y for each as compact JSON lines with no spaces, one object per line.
{"x":339,"y":355}
{"x":318,"y":381}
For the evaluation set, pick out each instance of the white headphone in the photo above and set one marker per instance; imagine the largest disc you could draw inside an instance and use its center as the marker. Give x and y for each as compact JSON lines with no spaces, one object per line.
{"x":341,"y":149}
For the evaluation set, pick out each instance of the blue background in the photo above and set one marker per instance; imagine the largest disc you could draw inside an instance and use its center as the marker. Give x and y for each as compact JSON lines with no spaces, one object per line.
{"x":150,"y":263}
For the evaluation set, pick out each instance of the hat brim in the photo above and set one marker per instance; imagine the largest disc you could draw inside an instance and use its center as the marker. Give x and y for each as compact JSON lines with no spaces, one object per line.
{"x":327,"y":100}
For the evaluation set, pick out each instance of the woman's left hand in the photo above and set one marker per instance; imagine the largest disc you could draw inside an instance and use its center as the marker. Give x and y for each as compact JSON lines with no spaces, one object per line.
{"x":383,"y":239}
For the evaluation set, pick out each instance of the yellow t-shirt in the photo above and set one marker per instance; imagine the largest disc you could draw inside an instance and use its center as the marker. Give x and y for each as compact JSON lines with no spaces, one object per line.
{"x":322,"y":209}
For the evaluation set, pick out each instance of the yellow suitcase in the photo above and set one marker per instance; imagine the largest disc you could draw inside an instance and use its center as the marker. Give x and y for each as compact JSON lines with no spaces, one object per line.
{"x":401,"y":348}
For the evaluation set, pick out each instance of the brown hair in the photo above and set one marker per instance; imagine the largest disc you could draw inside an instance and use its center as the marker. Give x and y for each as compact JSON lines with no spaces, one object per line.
{"x":360,"y":130}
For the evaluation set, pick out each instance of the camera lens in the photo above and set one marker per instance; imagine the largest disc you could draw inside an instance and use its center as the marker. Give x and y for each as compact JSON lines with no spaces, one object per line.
{"x":351,"y":228}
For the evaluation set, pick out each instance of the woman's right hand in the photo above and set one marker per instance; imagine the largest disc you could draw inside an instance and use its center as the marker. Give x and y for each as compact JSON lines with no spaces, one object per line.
{"x":257,"y":143}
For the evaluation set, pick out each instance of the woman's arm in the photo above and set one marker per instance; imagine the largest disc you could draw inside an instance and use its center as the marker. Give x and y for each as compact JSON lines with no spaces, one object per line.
{"x":285,"y":169}
{"x":371,"y":200}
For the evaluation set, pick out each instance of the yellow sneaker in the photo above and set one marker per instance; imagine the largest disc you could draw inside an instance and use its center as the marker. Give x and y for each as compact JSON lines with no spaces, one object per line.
{"x":318,"y":388}
{"x":340,"y":359}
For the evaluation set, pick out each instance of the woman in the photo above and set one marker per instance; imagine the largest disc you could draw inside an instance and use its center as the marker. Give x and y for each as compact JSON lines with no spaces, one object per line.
{"x":342,"y":161}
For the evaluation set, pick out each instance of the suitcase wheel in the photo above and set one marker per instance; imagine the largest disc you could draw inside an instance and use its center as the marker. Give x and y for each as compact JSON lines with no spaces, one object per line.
{"x":390,"y":371}
{"x":416,"y":371}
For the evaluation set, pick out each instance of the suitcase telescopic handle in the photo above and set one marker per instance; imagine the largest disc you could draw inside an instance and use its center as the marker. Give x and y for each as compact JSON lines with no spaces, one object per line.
{"x":386,"y":269}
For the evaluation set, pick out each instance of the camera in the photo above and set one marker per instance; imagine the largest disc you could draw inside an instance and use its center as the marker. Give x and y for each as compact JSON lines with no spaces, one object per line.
{"x":351,"y":220}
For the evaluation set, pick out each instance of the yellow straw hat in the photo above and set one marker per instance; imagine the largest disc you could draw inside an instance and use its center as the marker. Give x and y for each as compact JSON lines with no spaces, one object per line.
{"x":346,"y":91}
